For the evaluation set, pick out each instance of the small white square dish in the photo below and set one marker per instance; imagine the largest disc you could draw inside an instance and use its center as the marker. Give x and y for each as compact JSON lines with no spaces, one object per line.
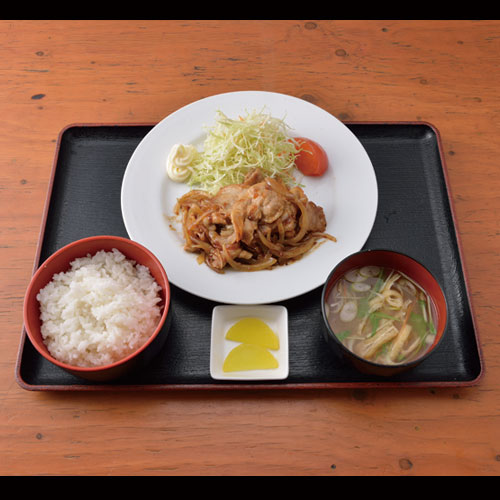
{"x":224,"y":317}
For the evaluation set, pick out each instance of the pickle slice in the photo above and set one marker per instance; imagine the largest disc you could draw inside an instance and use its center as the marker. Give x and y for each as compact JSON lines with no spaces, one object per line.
{"x":249,"y":357}
{"x":253,"y":331}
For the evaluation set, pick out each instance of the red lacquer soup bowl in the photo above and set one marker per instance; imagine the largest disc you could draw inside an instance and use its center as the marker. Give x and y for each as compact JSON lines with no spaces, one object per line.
{"x":413,"y":270}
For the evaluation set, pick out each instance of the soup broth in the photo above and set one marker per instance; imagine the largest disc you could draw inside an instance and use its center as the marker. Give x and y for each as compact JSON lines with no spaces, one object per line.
{"x":381,"y":315}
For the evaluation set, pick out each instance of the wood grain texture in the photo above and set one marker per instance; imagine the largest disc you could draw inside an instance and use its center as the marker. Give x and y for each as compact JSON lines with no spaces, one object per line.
{"x":54,"y":73}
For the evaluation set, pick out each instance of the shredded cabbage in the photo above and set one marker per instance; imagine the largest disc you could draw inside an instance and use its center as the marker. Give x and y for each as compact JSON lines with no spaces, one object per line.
{"x":234,"y":147}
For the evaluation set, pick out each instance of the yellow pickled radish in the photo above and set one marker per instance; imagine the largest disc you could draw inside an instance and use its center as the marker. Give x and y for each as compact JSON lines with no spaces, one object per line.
{"x":253,"y":331}
{"x":249,"y":357}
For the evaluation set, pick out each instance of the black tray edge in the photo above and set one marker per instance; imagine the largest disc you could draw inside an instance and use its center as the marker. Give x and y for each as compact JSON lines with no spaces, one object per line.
{"x":248,"y":386}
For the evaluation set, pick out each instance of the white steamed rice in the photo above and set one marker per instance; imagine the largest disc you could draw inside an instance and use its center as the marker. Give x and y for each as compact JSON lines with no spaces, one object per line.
{"x":101,"y":310}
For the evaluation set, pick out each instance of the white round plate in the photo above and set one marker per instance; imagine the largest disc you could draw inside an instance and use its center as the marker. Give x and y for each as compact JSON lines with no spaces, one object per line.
{"x":347,"y":192}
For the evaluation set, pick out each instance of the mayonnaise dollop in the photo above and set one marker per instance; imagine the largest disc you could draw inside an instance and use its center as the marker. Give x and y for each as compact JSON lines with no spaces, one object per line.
{"x":178,"y":161}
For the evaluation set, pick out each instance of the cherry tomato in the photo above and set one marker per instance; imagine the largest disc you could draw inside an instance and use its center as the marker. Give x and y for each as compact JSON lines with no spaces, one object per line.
{"x":311,"y":159}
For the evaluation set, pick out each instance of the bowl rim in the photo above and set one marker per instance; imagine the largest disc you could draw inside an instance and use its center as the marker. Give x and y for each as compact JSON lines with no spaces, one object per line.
{"x":396,"y":367}
{"x":62,"y":250}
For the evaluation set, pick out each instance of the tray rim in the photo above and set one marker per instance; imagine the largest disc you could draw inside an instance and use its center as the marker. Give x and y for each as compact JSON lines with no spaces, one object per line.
{"x":225,"y":386}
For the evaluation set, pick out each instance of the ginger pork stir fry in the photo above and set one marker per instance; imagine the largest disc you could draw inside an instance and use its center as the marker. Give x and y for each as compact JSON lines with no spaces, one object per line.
{"x":251,"y":226}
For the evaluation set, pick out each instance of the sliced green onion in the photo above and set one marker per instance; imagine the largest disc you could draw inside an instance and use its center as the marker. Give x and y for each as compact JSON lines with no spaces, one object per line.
{"x":360,"y":287}
{"x":354,"y":276}
{"x":343,"y":335}
{"x":369,"y":271}
{"x":349,"y":311}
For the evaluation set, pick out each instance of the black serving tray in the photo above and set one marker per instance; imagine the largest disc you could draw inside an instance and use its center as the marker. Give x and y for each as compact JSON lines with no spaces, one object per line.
{"x":414,"y":216}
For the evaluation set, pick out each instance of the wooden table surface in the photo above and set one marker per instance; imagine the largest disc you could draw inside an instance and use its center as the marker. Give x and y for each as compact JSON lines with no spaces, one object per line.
{"x":54,"y":73}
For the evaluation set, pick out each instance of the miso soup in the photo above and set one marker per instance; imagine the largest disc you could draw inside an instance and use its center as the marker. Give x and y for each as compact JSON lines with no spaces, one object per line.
{"x":381,"y":315}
